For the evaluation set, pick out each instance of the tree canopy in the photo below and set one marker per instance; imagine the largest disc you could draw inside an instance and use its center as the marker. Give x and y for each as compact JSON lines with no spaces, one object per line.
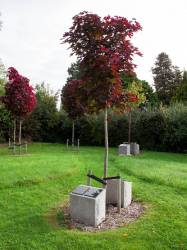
{"x":43,"y":121}
{"x":166,"y":78}
{"x":145,"y":89}
{"x":181,"y":93}
{"x":103,"y":49}
{"x":19,"y":96}
{"x":72,"y":100}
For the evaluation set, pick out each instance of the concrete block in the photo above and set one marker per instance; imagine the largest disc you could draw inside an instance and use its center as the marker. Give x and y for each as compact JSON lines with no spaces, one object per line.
{"x":124,"y":149}
{"x":112,"y":192}
{"x":134,"y":148}
{"x":126,"y":193}
{"x":88,"y":205}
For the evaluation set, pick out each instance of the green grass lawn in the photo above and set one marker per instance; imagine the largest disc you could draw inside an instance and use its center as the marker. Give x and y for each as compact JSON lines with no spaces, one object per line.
{"x":34,"y":186}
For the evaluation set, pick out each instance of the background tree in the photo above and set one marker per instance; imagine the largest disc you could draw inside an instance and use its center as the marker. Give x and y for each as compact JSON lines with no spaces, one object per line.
{"x":135,"y":98}
{"x":181,"y":93}
{"x":146,"y":89}
{"x":150,"y":95}
{"x":72,"y":102}
{"x":19,"y":97}
{"x":2,"y":78}
{"x":74,"y":72}
{"x":5,"y":117}
{"x":42,"y":124}
{"x":166,"y":78}
{"x":104,"y":49}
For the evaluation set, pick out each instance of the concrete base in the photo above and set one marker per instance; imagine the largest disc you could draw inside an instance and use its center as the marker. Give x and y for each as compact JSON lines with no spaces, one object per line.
{"x":134,"y":148}
{"x":126,"y":193}
{"x":112,"y":192}
{"x":124,"y":149}
{"x":88,"y":210}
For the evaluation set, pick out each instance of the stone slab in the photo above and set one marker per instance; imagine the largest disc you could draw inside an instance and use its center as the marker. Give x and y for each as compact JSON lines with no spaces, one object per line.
{"x":134,"y":148}
{"x":112,"y":192}
{"x":88,"y":208}
{"x":124,"y":149}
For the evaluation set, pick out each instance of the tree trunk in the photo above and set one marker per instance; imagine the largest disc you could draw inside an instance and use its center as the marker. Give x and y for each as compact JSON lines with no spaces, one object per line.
{"x":129,"y":132}
{"x":14,"y":137}
{"x":20,"y":123}
{"x":106,"y":143}
{"x":73,"y":133}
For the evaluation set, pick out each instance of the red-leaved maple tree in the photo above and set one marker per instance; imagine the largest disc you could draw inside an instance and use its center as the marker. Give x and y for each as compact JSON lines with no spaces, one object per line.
{"x":19,"y":97}
{"x":103,"y":47}
{"x":72,"y":102}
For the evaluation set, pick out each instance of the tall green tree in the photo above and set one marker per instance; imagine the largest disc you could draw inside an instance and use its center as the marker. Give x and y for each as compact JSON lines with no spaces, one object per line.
{"x":5,"y":117}
{"x":73,"y":74}
{"x":2,"y":78}
{"x":41,"y":124}
{"x":136,"y":98}
{"x":146,"y":89}
{"x":181,"y":93}
{"x":149,"y":93}
{"x":177,"y":80}
{"x":166,"y":78}
{"x":72,"y":103}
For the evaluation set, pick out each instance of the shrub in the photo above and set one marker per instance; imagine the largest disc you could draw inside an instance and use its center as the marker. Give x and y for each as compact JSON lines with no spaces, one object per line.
{"x":176,"y":128}
{"x":164,"y":129}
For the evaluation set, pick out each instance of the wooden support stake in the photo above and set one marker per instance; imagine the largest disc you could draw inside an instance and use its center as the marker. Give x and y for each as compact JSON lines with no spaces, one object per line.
{"x":20,"y":126}
{"x":67,"y":143}
{"x":73,"y":134}
{"x":78,"y":143}
{"x":119,"y":196}
{"x":89,"y":179}
{"x":14,"y":136}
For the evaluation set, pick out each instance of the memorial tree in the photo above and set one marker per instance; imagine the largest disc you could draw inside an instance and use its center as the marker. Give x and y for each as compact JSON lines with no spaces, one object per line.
{"x":104,"y":49}
{"x":73,"y":103}
{"x":135,"y":97}
{"x":19,"y":98}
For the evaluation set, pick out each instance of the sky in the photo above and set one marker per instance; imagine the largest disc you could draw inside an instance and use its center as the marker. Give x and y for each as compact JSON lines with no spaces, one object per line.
{"x":31,"y":32}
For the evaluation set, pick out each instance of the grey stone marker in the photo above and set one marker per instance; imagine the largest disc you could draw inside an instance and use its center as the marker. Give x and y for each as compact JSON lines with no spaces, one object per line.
{"x":87,"y":205}
{"x":124,"y":149}
{"x":134,"y":148}
{"x":112,"y":192}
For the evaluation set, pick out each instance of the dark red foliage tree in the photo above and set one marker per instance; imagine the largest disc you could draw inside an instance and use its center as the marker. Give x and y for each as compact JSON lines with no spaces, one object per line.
{"x":104,"y":49}
{"x":72,"y":101}
{"x":19,"y":97}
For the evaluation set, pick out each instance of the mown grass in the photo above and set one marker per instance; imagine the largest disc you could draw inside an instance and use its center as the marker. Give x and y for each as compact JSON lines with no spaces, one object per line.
{"x":34,"y":186}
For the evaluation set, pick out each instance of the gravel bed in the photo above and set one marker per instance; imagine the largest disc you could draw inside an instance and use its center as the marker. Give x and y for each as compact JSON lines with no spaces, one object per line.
{"x":113,"y":218}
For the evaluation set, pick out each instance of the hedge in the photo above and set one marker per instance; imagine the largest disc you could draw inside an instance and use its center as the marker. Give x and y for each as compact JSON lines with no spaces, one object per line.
{"x":164,"y":129}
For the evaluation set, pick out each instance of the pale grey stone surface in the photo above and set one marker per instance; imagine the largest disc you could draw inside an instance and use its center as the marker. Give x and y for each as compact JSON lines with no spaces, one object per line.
{"x":112,"y":192}
{"x":124,"y":149}
{"x":126,"y":193}
{"x":134,"y":148}
{"x":85,"y":208}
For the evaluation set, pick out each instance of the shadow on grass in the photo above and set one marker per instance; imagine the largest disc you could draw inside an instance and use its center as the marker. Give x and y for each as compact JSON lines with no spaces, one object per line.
{"x":155,"y":156}
{"x":154,"y":181}
{"x":35,"y":181}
